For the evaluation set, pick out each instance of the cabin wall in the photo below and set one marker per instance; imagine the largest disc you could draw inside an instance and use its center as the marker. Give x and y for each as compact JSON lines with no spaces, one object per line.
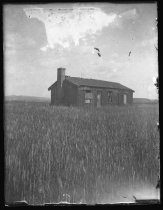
{"x":117,"y":96}
{"x":69,"y":94}
{"x":54,"y":100}
{"x":81,"y":96}
{"x":56,"y":95}
{"x":130,"y":97}
{"x":75,"y":96}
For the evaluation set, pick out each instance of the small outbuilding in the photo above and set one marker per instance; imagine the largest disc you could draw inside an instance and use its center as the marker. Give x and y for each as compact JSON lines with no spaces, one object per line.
{"x":77,"y":91}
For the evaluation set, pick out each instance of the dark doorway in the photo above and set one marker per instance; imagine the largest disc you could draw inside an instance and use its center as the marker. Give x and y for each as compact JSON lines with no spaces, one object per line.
{"x":99,"y":99}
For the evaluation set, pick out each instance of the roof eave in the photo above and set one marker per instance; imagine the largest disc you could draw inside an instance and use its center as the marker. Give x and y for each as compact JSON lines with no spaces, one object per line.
{"x":49,"y":88}
{"x":106,"y":87}
{"x":72,"y":83}
{"x":132,"y":90}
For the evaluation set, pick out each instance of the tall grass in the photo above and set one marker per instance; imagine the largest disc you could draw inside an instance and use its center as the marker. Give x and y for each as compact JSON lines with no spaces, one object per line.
{"x":64,"y":153}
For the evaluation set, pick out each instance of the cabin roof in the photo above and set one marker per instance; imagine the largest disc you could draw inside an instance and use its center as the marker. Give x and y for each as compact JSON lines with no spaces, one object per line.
{"x":93,"y":83}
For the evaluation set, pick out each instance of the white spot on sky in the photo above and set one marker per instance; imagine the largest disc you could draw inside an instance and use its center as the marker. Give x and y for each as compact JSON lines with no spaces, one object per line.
{"x":154,"y":80}
{"x":130,"y":14}
{"x":67,"y":26}
{"x":44,"y":49}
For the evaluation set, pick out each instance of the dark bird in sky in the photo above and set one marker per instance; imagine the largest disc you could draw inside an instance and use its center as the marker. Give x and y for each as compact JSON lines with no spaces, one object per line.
{"x":158,"y":184}
{"x":158,"y":157}
{"x":96,"y":49}
{"x":129,"y":53}
{"x":156,"y":47}
{"x":134,"y":197}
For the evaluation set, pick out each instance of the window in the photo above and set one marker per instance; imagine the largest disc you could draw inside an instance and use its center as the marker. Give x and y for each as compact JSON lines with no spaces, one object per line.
{"x":109,"y":96}
{"x":88,"y":96}
{"x":87,"y":101}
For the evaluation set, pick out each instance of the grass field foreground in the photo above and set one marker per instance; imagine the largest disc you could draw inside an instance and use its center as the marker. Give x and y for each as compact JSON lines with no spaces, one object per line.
{"x":76,"y":154}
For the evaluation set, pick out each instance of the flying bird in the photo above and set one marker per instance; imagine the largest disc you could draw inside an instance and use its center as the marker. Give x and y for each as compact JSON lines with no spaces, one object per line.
{"x":96,"y":49}
{"x":134,"y":197}
{"x":156,"y":47}
{"x":129,"y":53}
{"x":158,"y":183}
{"x":124,"y":196}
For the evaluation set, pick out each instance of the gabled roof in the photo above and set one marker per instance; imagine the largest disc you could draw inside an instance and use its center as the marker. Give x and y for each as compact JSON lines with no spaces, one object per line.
{"x":94,"y":83}
{"x":54,"y":84}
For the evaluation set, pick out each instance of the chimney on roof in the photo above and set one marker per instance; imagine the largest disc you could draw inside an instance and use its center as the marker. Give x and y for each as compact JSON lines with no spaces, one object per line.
{"x":60,"y":79}
{"x":60,"y":76}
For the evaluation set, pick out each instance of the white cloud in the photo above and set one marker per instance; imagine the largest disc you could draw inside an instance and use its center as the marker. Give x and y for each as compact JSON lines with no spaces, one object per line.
{"x":87,"y":49}
{"x":150,"y":42}
{"x":67,"y":26}
{"x":152,"y":92}
{"x":154,"y":79}
{"x":14,"y":41}
{"x":50,"y":62}
{"x":154,"y":28}
{"x":113,"y":66}
{"x":44,"y":49}
{"x":115,"y":55}
{"x":129,"y":14}
{"x":9,"y":51}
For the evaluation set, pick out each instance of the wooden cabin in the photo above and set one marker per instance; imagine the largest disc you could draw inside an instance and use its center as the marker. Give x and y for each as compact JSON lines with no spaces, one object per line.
{"x":77,"y":91}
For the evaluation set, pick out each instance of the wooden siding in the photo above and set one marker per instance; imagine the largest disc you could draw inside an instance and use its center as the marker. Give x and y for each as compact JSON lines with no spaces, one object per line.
{"x":70,"y":94}
{"x":117,"y":96}
{"x":54,"y":100}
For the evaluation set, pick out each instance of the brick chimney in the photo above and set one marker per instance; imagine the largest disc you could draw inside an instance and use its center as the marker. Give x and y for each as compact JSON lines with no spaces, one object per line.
{"x":60,"y":76}
{"x":60,"y":79}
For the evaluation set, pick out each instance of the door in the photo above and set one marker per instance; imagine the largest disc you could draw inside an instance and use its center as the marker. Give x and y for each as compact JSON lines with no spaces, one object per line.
{"x":124,"y":99}
{"x":117,"y":99}
{"x":98,"y":99}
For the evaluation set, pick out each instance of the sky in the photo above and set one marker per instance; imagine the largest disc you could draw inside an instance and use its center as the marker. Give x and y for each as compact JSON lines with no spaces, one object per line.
{"x":38,"y":39}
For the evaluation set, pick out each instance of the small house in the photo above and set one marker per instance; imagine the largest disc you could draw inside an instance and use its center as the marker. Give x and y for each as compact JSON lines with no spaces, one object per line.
{"x":77,"y":91}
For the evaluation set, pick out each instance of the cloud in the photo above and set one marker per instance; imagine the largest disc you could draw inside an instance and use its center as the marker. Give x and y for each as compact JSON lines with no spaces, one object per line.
{"x":67,"y":26}
{"x":129,"y":14}
{"x":152,"y":91}
{"x":111,"y":67}
{"x":87,"y":49}
{"x":9,"y":51}
{"x":50,"y":60}
{"x":44,"y":49}
{"x":14,"y":41}
{"x":154,"y":79}
{"x":149,"y":42}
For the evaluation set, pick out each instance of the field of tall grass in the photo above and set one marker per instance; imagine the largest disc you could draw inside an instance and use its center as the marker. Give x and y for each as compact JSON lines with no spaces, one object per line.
{"x":55,"y":154}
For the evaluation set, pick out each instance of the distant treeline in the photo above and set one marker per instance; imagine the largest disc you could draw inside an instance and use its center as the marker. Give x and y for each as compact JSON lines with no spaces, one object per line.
{"x":26,"y":98}
{"x":44,"y":99}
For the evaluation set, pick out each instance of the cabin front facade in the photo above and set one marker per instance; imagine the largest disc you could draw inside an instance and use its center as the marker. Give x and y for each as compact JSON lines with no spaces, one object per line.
{"x":88,"y":92}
